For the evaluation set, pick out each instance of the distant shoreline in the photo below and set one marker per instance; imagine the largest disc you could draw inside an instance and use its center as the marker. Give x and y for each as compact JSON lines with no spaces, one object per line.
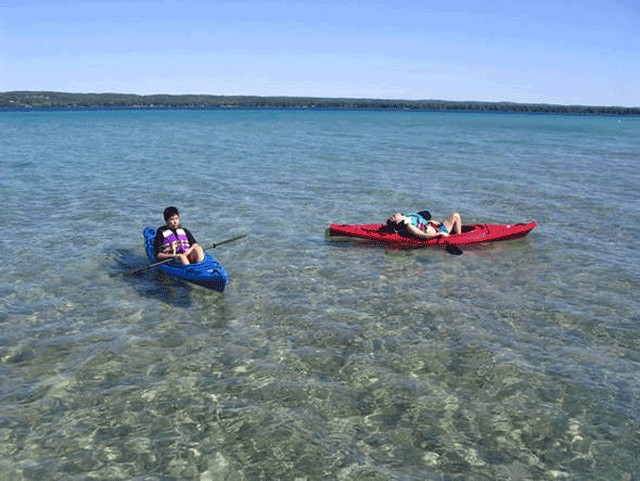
{"x":42,"y":100}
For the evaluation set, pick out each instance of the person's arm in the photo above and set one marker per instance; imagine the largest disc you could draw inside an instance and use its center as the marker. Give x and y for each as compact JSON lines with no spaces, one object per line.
{"x":192,"y":240}
{"x":157,"y":247}
{"x":414,"y":231}
{"x":437,"y":230}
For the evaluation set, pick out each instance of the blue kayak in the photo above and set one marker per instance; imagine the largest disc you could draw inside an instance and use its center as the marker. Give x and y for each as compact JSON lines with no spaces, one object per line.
{"x":209,"y":273}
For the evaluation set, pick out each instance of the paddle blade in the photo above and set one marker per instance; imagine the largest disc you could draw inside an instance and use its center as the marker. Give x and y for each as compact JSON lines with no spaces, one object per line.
{"x":455,"y":250}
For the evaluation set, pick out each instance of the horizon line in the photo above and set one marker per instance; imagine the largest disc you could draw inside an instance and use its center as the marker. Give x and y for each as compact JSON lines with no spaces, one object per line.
{"x":315,"y":97}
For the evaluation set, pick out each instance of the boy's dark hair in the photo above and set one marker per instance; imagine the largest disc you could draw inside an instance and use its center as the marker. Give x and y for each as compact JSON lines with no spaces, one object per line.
{"x":169,"y":212}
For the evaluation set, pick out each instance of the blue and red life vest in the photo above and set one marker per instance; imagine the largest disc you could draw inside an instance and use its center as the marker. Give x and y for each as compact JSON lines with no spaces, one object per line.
{"x":420,"y":222}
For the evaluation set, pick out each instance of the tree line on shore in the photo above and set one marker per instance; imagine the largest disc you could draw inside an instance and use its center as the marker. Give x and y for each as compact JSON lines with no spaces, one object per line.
{"x":21,"y":100}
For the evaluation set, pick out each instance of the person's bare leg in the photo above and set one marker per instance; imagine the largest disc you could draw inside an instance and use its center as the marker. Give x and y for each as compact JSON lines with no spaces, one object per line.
{"x":453,"y":223}
{"x":197,"y":254}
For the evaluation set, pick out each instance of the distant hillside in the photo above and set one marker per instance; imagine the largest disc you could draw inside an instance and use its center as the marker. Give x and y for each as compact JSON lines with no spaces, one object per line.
{"x":56,"y":100}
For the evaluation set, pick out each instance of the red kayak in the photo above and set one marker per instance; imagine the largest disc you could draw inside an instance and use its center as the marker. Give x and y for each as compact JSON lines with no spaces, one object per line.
{"x":471,"y":234}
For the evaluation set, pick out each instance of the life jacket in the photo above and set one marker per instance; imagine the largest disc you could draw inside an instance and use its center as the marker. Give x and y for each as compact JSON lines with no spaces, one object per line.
{"x":179,"y":238}
{"x":420,"y":222}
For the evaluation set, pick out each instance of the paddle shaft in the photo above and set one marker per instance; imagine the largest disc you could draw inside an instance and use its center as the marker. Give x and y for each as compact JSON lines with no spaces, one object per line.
{"x":212,"y":246}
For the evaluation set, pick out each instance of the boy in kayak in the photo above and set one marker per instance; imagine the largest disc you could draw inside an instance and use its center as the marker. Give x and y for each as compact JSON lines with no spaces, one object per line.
{"x":421,"y":226}
{"x":174,"y":241}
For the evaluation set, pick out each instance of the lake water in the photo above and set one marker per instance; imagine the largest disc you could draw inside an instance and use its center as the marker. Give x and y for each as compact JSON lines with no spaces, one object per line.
{"x":321,"y":360}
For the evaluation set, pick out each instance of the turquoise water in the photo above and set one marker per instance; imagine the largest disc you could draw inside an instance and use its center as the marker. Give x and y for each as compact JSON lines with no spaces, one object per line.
{"x":517,"y":360}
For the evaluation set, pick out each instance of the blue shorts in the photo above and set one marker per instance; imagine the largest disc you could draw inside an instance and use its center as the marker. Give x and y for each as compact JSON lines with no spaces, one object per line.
{"x":442,"y":228}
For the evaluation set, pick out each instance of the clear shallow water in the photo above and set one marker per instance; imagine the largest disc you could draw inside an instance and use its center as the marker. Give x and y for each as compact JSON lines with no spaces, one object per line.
{"x":517,"y":360}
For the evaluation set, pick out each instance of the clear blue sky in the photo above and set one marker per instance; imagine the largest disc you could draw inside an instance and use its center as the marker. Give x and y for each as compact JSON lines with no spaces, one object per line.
{"x":563,"y":52}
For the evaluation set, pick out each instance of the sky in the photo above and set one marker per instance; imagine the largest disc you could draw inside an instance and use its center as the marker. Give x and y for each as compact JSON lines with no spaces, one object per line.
{"x":558,"y":52}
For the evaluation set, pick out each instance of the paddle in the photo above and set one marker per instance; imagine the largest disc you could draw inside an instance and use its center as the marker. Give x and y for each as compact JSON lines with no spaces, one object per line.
{"x":450,"y":248}
{"x":212,"y":246}
{"x":453,"y":249}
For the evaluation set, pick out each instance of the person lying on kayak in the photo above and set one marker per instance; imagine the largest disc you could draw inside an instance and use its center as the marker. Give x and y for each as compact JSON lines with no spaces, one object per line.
{"x":173,"y":240}
{"x":421,"y":226}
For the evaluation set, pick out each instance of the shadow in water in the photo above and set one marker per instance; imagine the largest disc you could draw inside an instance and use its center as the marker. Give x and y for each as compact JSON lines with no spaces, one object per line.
{"x":150,"y":283}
